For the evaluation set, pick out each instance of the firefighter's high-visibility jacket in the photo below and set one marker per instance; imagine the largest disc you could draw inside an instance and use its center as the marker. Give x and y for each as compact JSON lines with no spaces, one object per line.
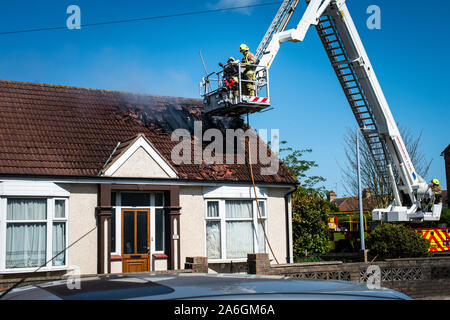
{"x":249,"y":58}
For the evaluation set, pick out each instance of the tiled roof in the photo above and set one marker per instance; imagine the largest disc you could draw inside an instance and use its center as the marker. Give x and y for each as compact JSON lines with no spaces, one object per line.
{"x":69,"y":131}
{"x":349,"y":204}
{"x":446,"y":151}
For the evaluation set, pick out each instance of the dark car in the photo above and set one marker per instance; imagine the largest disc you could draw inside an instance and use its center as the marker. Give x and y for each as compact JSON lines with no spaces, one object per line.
{"x":194,"y":286}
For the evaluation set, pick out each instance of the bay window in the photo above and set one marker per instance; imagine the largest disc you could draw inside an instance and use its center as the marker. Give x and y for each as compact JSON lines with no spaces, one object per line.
{"x":35,"y":232}
{"x":234,"y":229}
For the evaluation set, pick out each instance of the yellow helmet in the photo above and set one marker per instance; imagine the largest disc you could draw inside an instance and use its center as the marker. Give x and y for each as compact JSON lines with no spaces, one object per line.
{"x":243,"y":48}
{"x":230,"y":59}
{"x":435,"y":181}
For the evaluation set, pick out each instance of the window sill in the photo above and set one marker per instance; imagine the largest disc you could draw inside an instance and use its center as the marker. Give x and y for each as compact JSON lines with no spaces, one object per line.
{"x":32,"y":270}
{"x":159,"y":256}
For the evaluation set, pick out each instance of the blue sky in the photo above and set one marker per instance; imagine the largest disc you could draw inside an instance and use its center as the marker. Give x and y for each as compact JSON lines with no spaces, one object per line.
{"x":409,"y":54}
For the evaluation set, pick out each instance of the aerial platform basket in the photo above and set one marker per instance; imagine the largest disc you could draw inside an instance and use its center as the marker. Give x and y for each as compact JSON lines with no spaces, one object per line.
{"x":221,"y":99}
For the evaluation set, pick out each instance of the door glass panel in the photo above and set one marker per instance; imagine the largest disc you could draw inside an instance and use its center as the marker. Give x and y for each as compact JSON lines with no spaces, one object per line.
{"x":128,"y":232}
{"x":159,"y":199}
{"x":142,"y":232}
{"x":135,"y":199}
{"x":159,"y":230}
{"x":113,"y":230}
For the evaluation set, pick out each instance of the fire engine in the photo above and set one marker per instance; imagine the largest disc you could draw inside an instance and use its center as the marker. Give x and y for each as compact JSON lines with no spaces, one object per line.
{"x":348,"y":57}
{"x":345,"y":234}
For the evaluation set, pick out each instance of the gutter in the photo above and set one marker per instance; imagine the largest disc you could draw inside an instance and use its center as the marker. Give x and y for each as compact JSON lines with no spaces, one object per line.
{"x":288,"y":235}
{"x":126,"y":180}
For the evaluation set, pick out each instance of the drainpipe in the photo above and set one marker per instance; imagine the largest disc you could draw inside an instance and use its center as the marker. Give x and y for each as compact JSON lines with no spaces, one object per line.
{"x":288,"y":236}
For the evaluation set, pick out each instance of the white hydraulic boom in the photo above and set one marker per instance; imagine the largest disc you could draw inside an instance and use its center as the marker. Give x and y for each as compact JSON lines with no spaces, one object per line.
{"x":356,"y":75}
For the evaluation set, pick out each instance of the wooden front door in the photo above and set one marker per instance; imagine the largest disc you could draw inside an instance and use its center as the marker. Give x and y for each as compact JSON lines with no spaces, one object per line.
{"x":135,"y":240}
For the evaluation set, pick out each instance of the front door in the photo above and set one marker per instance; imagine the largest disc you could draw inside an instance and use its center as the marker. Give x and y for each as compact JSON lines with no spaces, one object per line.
{"x":135,"y":240}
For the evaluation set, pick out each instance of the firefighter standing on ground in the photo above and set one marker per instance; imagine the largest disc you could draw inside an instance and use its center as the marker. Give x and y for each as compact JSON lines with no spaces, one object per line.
{"x":248,"y":88}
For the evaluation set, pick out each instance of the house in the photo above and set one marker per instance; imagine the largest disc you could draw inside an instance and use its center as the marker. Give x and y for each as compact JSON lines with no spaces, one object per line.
{"x":351,"y":204}
{"x":92,"y":170}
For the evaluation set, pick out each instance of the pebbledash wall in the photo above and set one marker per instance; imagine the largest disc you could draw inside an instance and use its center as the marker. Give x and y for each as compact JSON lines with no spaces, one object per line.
{"x":82,"y":217}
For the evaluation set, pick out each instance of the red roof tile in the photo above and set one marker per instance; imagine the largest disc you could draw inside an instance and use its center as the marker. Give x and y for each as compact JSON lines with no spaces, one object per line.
{"x":69,"y":131}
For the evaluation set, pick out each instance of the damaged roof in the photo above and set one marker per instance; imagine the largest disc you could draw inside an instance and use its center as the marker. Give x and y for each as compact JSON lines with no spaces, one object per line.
{"x":70,"y":131}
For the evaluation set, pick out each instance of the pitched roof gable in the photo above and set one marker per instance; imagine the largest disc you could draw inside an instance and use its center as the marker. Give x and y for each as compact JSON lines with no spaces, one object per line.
{"x":124,"y":151}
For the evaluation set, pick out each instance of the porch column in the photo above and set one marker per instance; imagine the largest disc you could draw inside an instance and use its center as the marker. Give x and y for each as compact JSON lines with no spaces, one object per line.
{"x":174,"y":228}
{"x":104,"y":212}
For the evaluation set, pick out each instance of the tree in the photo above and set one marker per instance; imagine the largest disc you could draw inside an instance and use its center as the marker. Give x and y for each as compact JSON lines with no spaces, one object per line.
{"x":370,"y":177}
{"x":299,"y":167}
{"x":309,"y":222}
{"x":309,"y":205}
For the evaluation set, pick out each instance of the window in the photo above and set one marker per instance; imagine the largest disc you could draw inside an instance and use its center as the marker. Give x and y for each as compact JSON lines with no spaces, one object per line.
{"x":59,"y":233}
{"x":135,"y":199}
{"x":234,"y":229}
{"x":113,"y":222}
{"x":35,"y":232}
{"x":261,"y":240}
{"x":213,"y":240}
{"x":159,"y":222}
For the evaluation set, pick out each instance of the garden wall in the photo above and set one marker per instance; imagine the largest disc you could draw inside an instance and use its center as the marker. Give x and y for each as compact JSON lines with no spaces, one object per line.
{"x":415,"y":277}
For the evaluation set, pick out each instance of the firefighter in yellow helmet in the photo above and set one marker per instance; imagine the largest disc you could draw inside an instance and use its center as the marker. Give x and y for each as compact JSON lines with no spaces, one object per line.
{"x":437,"y":190}
{"x":248,"y":88}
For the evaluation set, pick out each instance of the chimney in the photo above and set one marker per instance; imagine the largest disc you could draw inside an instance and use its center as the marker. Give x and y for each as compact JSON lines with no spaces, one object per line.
{"x":331,"y":196}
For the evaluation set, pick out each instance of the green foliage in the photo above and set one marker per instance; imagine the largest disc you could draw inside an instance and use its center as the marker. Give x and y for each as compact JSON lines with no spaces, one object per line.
{"x":309,"y":222}
{"x":396,"y":241}
{"x":312,"y":258}
{"x":299,"y":167}
{"x":445,"y":218}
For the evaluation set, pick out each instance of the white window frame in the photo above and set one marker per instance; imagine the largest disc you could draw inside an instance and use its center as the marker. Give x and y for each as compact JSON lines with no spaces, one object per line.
{"x":118,"y":206}
{"x":223,"y":219}
{"x":50,"y":219}
{"x":153,"y":222}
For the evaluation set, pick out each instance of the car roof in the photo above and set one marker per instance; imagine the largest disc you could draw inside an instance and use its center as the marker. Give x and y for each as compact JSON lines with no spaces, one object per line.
{"x":201,"y":286}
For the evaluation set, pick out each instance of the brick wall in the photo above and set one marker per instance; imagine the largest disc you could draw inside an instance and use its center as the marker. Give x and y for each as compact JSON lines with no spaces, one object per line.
{"x":419,"y":277}
{"x":231,"y":267}
{"x":197,"y":264}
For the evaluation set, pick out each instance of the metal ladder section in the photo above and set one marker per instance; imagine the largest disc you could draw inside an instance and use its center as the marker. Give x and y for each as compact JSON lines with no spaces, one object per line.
{"x":278,"y":25}
{"x":353,"y":91}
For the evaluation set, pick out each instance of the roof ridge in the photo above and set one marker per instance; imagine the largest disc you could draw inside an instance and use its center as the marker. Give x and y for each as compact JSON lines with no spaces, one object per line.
{"x":40,"y":84}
